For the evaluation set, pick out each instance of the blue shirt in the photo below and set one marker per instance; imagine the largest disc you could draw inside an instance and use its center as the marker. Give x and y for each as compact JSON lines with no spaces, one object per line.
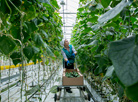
{"x":63,"y":53}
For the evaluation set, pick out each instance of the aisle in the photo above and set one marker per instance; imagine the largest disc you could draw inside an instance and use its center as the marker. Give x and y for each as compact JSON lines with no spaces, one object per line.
{"x":75,"y":93}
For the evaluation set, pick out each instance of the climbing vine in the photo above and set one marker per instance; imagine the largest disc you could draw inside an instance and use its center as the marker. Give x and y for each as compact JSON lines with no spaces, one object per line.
{"x":30,"y":30}
{"x":33,"y":24}
{"x":105,"y":36}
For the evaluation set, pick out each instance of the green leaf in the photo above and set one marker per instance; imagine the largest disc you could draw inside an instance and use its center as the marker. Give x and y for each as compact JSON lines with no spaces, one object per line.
{"x":55,"y":4}
{"x":124,"y":55}
{"x":101,"y":60}
{"x":30,"y":51}
{"x":82,"y":0}
{"x":133,"y":19}
{"x":47,"y":62}
{"x":100,"y":47}
{"x":92,"y":8}
{"x":115,"y":2}
{"x":120,"y":91}
{"x":111,"y":24}
{"x":15,"y":31}
{"x":80,"y":9}
{"x":53,"y":89}
{"x":58,"y":79}
{"x":31,"y":91}
{"x":93,"y":19}
{"x":7,"y":45}
{"x":132,"y":92}
{"x":109,"y":73}
{"x":16,"y":57}
{"x":30,"y":12}
{"x":98,"y":70}
{"x":37,"y":57}
{"x":94,"y":42}
{"x":113,"y":12}
{"x":56,"y":53}
{"x":105,"y":3}
{"x":46,"y":1}
{"x":35,"y":49}
{"x":46,"y":19}
{"x":44,"y":33}
{"x":43,"y":1}
{"x":31,"y":26}
{"x":26,"y":36}
{"x":38,"y":39}
{"x":97,"y":1}
{"x":49,"y":51}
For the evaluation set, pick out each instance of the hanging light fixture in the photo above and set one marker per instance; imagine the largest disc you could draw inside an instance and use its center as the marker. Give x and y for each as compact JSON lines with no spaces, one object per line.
{"x":63,"y":3}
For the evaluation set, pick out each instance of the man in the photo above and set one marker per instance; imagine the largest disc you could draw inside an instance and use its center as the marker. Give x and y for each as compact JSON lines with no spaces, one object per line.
{"x":68,"y":53}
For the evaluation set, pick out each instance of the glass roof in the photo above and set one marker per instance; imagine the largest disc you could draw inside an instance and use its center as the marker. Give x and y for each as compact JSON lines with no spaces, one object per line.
{"x":68,"y":13}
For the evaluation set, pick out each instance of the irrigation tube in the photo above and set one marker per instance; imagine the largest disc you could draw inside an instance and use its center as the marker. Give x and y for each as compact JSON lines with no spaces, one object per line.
{"x":96,"y":97}
{"x":9,"y":80}
{"x":104,"y":95}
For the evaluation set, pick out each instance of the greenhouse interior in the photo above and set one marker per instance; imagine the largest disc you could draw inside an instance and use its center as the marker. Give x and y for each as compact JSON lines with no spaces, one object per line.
{"x":68,"y":50}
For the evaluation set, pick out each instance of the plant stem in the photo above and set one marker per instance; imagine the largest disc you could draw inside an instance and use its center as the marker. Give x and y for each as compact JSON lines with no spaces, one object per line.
{"x":15,"y":7}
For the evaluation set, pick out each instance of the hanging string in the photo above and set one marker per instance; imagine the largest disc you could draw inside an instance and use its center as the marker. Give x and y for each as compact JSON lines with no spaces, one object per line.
{"x":25,"y":75}
{"x":21,"y":50}
{"x":9,"y":81}
{"x":0,"y":75}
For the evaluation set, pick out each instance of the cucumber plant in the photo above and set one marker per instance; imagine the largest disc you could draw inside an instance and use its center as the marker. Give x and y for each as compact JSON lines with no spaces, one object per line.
{"x":29,"y":29}
{"x":72,"y":74}
{"x":32,"y":24}
{"x":105,"y":36}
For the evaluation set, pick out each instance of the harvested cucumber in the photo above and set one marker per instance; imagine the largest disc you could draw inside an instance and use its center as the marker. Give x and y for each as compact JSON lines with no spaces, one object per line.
{"x":72,"y":74}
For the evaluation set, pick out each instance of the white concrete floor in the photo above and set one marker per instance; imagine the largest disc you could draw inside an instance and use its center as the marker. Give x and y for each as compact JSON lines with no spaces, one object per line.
{"x":75,"y":93}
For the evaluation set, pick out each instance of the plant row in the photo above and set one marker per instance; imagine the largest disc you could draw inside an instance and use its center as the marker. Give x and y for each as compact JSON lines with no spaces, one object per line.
{"x":105,"y":36}
{"x":30,"y":29}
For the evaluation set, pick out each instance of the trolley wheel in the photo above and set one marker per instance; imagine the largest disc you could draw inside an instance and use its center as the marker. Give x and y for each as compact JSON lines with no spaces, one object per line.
{"x":89,"y":97}
{"x":58,"y":89}
{"x":83,"y":88}
{"x":55,"y":97}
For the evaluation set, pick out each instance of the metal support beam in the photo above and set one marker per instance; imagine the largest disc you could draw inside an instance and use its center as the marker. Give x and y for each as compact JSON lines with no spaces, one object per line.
{"x":67,"y":37}
{"x":68,"y":33}
{"x":68,"y":12}
{"x":68,"y":26}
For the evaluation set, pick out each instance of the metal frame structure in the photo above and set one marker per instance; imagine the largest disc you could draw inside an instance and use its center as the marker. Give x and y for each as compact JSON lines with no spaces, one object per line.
{"x":68,"y":13}
{"x":35,"y":74}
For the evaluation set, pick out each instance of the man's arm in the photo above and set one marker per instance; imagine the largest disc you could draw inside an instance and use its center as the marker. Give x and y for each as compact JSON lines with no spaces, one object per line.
{"x":64,"y":55}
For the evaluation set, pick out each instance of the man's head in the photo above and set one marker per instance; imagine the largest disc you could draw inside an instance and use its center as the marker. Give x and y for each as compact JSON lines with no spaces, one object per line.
{"x":66,"y":42}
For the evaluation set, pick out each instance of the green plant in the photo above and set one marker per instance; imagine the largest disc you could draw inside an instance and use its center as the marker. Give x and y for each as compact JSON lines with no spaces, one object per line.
{"x":53,"y":89}
{"x":72,"y":74}
{"x":28,"y":30}
{"x":32,"y":25}
{"x":101,"y":37}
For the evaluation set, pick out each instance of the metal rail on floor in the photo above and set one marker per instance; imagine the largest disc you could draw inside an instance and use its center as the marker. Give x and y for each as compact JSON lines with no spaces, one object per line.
{"x":82,"y":89}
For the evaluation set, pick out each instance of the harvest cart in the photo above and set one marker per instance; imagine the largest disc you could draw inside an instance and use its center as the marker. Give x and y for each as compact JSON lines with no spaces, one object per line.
{"x":76,"y":83}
